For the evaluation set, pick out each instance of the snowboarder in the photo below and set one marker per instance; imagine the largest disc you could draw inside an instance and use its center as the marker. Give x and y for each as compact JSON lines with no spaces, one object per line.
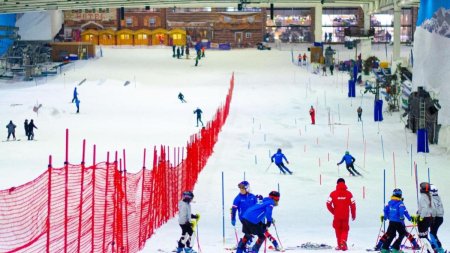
{"x":438,"y":214}
{"x":312,"y":113}
{"x":75,"y":95}
{"x":395,"y":211}
{"x":340,"y":204}
{"x":425,"y":214}
{"x":359,"y":111}
{"x":11,"y":130}
{"x":31,"y":127}
{"x":77,"y":103}
{"x":278,"y":159}
{"x":184,"y":219}
{"x":349,"y":161}
{"x":253,"y":221}
{"x":199,"y":116}
{"x":181,"y":97}
{"x":25,"y":126}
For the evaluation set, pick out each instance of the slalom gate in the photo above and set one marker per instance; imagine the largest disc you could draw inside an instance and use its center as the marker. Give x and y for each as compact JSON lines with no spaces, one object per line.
{"x":102,"y":207}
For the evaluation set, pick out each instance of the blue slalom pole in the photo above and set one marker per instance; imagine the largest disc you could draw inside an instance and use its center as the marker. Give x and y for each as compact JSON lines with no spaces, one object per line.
{"x":384,"y":194}
{"x":223,"y":210}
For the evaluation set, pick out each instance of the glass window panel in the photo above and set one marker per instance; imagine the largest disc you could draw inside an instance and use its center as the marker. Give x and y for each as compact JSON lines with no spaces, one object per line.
{"x":339,"y":20}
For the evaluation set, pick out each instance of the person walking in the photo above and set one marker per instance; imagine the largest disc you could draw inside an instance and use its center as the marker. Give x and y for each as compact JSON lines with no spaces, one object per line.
{"x":184,"y":219}
{"x":11,"y":130}
{"x":181,"y":97}
{"x":75,"y":95}
{"x":349,"y":161}
{"x":304,"y":58}
{"x":25,"y":126}
{"x":77,"y":103}
{"x":278,"y":158}
{"x":438,"y":214}
{"x":359,"y":111}
{"x":253,"y":220}
{"x":340,"y":204}
{"x":331,"y":68}
{"x":31,"y":127}
{"x":395,"y":211}
{"x":199,"y":112}
{"x":312,"y":113}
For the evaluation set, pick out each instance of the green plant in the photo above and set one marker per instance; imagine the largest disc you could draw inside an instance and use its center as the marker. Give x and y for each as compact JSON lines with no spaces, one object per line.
{"x":368,"y":63}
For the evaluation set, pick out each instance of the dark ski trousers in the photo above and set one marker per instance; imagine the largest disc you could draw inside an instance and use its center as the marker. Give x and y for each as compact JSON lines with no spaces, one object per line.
{"x":352,"y":171}
{"x":13,"y":134}
{"x":283,"y":168}
{"x":186,"y":234}
{"x":393,"y":228}
{"x":199,"y":119}
{"x":250,"y":229}
{"x":437,"y":222}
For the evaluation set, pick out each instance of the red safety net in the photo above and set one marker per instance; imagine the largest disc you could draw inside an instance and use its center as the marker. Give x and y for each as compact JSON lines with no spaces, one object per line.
{"x":103,"y":208}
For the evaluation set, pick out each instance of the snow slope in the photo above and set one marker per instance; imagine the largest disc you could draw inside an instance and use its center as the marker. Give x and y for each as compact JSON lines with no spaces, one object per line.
{"x":269,"y":110}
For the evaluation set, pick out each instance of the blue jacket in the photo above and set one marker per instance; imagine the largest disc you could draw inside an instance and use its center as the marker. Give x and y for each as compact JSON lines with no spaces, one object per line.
{"x":396,"y":211}
{"x":348,"y":159}
{"x":241,"y":203}
{"x":259,"y":212}
{"x":75,"y":93}
{"x":278,"y":157}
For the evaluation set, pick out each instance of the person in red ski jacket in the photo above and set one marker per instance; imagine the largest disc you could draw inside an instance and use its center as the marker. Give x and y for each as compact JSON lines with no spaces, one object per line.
{"x":312,"y":113}
{"x":340,"y":204}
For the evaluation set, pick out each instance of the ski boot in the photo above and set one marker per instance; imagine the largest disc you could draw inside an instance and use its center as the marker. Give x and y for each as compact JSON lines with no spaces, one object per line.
{"x":276,"y":246}
{"x":343,"y":246}
{"x":179,"y":250}
{"x":189,"y":250}
{"x":397,"y":251}
{"x":440,"y":250}
{"x":385,"y":251}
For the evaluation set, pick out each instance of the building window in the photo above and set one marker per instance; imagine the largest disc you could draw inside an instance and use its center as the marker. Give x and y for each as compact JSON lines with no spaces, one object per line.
{"x":129,"y":22}
{"x":335,"y":20}
{"x":151,"y":22}
{"x":289,"y":25}
{"x":383,"y":23}
{"x":248,"y":35}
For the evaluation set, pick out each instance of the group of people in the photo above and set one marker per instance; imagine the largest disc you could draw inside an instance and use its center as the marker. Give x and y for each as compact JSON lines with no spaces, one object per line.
{"x":430,"y":216}
{"x":301,"y":57}
{"x":28,"y":126}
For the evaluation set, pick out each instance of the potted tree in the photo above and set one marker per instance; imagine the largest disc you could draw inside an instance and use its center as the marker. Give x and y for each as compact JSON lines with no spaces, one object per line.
{"x":368,"y":64}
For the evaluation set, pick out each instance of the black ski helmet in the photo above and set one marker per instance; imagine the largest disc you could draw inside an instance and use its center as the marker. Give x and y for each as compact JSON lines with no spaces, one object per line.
{"x":187,"y":195}
{"x":397,"y":193}
{"x":424,"y":187}
{"x":274,"y":195}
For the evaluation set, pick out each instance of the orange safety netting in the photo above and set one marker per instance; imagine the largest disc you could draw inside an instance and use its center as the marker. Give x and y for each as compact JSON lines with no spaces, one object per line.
{"x":103,"y":208}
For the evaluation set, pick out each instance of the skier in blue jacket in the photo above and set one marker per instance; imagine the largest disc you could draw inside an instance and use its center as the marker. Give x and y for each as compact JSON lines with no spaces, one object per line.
{"x":395,"y":211}
{"x":278,"y":158}
{"x":349,"y":160}
{"x":253,"y":221}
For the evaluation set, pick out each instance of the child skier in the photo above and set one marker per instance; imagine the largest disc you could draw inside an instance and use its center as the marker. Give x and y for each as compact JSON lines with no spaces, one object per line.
{"x":395,"y":211}
{"x":425,"y":213}
{"x":253,"y":222}
{"x":242,"y":202}
{"x":184,"y":219}
{"x":278,"y":158}
{"x":438,"y":214}
{"x":349,"y":160}
{"x":312,"y":113}
{"x":340,"y":204}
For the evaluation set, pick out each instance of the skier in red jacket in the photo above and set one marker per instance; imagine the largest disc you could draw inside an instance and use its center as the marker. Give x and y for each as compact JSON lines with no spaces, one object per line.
{"x":340,"y":203}
{"x":312,"y":113}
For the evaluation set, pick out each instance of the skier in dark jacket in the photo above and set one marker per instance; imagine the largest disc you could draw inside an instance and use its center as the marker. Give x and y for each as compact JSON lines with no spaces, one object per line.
{"x":31,"y":126}
{"x":253,"y":220}
{"x":395,"y":211}
{"x":278,"y":159}
{"x":25,"y":126}
{"x":181,"y":97}
{"x":349,"y":160}
{"x":11,"y":130}
{"x":199,"y":116}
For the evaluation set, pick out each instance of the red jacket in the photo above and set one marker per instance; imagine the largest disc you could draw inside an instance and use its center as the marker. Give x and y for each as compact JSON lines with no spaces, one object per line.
{"x":340,"y":201}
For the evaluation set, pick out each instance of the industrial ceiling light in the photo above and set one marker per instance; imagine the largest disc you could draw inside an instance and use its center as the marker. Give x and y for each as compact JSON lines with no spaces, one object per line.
{"x":322,"y":1}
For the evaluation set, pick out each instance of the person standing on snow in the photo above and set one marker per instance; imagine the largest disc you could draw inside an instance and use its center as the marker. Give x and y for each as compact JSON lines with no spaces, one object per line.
{"x":184,"y":219}
{"x":312,"y":113}
{"x":77,"y":103}
{"x":253,"y":222}
{"x":425,"y":215}
{"x":31,"y":127}
{"x":438,"y":214}
{"x":278,"y":159}
{"x":340,"y":204}
{"x":304,"y":58}
{"x":11,"y":130}
{"x":395,"y":211}
{"x":199,"y":116}
{"x":25,"y":126}
{"x":359,"y":111}
{"x":349,"y":161}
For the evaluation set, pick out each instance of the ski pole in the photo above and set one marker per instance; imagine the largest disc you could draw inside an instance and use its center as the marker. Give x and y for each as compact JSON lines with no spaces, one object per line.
{"x":198,"y":240}
{"x":268,"y":166}
{"x":379,"y":232}
{"x":276,"y":232}
{"x":236,"y":234}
